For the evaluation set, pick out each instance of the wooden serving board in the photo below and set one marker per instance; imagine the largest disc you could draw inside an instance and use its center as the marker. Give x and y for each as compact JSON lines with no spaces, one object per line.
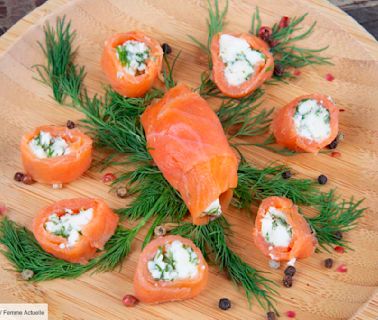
{"x":318,"y":293}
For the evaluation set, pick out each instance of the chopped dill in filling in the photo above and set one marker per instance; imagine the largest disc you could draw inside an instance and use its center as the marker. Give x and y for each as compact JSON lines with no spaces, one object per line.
{"x":133,"y":55}
{"x":69,"y":225}
{"x":275,"y":228}
{"x":46,"y":146}
{"x":241,"y":61}
{"x":174,"y":261}
{"x":312,"y":120}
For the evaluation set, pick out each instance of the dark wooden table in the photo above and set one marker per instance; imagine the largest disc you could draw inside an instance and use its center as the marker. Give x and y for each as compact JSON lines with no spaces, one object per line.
{"x":364,"y":11}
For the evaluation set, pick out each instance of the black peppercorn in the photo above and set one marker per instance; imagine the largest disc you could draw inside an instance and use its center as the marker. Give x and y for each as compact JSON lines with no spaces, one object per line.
{"x":287,"y":281}
{"x":19,"y":176}
{"x":290,"y":271}
{"x":322,"y":179}
{"x":286,"y":174}
{"x":70,"y":124}
{"x":224,"y":304}
{"x":271,"y":315}
{"x":338,"y":235}
{"x":333,"y":144}
{"x":278,"y":70}
{"x":166,"y":48}
{"x":328,"y":263}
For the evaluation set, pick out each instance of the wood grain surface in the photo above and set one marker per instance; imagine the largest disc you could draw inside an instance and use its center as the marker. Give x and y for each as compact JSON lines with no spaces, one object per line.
{"x":318,"y":293}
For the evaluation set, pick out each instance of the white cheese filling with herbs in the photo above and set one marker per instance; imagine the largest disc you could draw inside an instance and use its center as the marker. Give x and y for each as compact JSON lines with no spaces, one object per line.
{"x":45,"y":146}
{"x":69,"y":225}
{"x":239,"y":58}
{"x":133,"y":55}
{"x":214,"y":209}
{"x":275,"y":228}
{"x":174,"y":261}
{"x":312,"y":120}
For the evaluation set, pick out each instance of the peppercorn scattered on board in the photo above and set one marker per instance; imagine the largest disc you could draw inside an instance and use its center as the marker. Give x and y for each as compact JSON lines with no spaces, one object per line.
{"x":318,"y":292}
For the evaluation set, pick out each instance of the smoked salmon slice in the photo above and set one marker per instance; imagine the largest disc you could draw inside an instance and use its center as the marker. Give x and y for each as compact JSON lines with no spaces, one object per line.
{"x":131,"y":61}
{"x":188,"y":144}
{"x":241,"y":63}
{"x":281,"y":232}
{"x":308,"y":123}
{"x":74,"y":229}
{"x":56,"y":155}
{"x":170,"y":268}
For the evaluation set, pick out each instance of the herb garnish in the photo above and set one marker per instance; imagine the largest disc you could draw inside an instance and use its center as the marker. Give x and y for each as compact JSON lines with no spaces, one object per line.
{"x":59,"y":54}
{"x":283,"y":45}
{"x":214,"y":25}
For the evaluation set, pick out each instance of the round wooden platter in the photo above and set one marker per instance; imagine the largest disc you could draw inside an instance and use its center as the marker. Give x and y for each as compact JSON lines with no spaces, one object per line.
{"x":318,"y":293}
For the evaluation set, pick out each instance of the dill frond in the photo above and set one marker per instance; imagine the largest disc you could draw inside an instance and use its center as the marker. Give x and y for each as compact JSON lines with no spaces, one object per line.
{"x":335,"y":215}
{"x":238,"y":119}
{"x":113,"y":122}
{"x":169,"y":82}
{"x":59,"y":54}
{"x":257,"y":184}
{"x":150,"y":187}
{"x":214,"y":25}
{"x":148,"y":183}
{"x":255,"y":22}
{"x":208,"y":88}
{"x":285,"y":51}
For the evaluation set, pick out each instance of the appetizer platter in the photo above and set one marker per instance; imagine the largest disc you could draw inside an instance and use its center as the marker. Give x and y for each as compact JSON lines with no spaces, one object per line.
{"x":164,"y":165}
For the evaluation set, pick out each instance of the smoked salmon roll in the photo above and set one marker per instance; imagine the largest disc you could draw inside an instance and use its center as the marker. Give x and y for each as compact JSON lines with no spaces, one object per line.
{"x":308,"y":123}
{"x":281,"y":232}
{"x":131,"y":61}
{"x":188,"y":144}
{"x":241,"y":63}
{"x":56,"y":155}
{"x":74,"y":229}
{"x":170,"y":268}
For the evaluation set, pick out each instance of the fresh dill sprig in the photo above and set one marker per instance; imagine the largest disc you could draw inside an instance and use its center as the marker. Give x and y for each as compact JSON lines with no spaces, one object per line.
{"x":114,"y":122}
{"x":214,"y":25}
{"x":238,"y":119}
{"x":257,"y":184}
{"x":59,"y":54}
{"x":148,"y":183}
{"x":285,"y":51}
{"x":211,"y":239}
{"x":255,"y":22}
{"x":24,"y":252}
{"x":169,"y":82}
{"x":150,"y":187}
{"x":334,"y":215}
{"x":208,"y":88}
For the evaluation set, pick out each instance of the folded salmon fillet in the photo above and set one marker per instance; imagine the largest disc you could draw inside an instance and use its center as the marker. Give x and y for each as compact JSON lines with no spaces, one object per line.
{"x":188,"y":144}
